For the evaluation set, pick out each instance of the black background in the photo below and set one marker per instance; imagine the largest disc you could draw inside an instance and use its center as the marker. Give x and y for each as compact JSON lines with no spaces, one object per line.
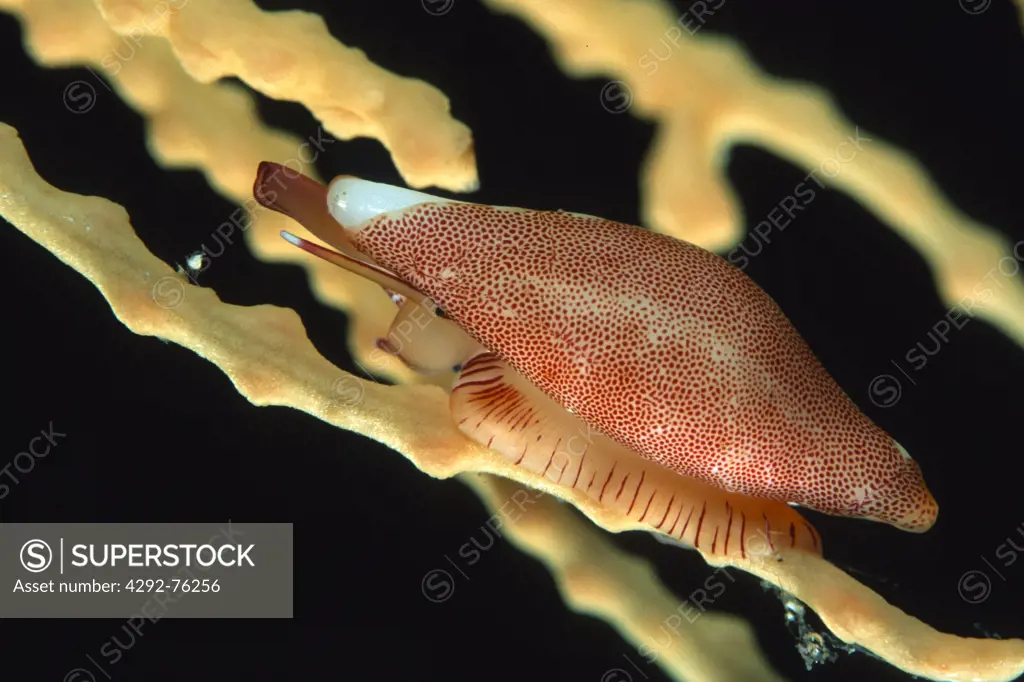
{"x":157,"y":434}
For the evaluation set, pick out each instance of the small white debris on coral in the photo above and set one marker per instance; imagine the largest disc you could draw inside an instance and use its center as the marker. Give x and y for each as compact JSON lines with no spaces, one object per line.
{"x":813,"y":646}
{"x":196,"y":262}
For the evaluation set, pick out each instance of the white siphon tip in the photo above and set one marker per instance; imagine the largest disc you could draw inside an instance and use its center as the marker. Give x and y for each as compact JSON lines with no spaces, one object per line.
{"x":353,"y":201}
{"x":291,"y":238}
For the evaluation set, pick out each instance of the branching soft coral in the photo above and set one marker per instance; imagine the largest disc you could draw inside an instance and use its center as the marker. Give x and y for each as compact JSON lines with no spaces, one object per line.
{"x":268,"y":358}
{"x":708,"y":95}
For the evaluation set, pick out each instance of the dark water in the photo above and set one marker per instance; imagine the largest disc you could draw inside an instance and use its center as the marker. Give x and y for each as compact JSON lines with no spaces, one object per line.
{"x":158,"y":434}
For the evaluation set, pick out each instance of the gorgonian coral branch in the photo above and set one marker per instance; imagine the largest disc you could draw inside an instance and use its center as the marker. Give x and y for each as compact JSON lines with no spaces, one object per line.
{"x":707,"y":94}
{"x":291,"y":56}
{"x":594,"y":577}
{"x":213,"y":128}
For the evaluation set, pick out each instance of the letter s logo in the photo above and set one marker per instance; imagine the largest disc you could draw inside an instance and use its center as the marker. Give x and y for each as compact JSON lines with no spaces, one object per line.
{"x":36,"y":556}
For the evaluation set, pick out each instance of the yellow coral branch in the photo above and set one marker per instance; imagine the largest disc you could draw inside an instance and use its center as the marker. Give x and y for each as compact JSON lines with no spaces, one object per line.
{"x":708,"y":94}
{"x":213,"y":128}
{"x":291,"y":56}
{"x":596,"y":578}
{"x":267,"y":356}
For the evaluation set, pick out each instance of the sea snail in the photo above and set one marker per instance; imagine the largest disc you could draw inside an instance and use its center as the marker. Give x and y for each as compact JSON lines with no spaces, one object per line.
{"x":641,"y":370}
